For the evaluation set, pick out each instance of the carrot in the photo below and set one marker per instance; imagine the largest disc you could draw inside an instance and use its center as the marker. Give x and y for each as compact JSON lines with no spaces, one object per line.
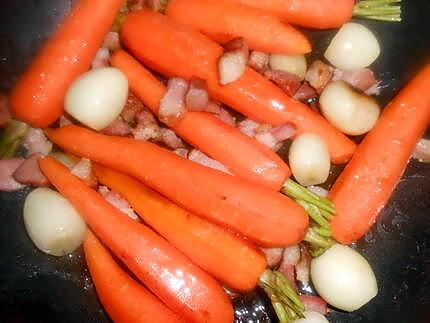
{"x":38,"y":96}
{"x":322,"y":14}
{"x":226,"y":257}
{"x":242,"y":155}
{"x":263,"y":215}
{"x":174,"y":49}
{"x":180,"y":284}
{"x":123,"y":298}
{"x":223,"y":21}
{"x":369,"y":179}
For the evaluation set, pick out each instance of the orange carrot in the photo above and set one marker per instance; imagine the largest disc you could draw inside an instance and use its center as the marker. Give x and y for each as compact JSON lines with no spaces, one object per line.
{"x":242,"y":155}
{"x":38,"y":96}
{"x":321,"y":14}
{"x":226,"y":257}
{"x":263,"y":215}
{"x":369,"y":179}
{"x":180,"y":284}
{"x":223,"y":21}
{"x":123,"y":298}
{"x":174,"y":49}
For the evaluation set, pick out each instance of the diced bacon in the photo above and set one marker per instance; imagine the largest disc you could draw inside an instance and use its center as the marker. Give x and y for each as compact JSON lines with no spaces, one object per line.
{"x":145,"y":118}
{"x":318,"y":75}
{"x":248,"y":127}
{"x":273,"y":256}
{"x":303,"y":266}
{"x":306,"y":93}
{"x":291,"y":255}
{"x":132,"y":108}
{"x":118,"y":201}
{"x":172,"y":105}
{"x":142,"y":132}
{"x":213,"y":107}
{"x":422,"y":151}
{"x":5,"y":115}
{"x":375,"y":89}
{"x":111,"y":41}
{"x":361,"y":79}
{"x":65,"y":121}
{"x":232,"y":64}
{"x":117,"y":128}
{"x":29,"y":172}
{"x":289,"y":83}
{"x":318,"y":190}
{"x":226,"y":117}
{"x":36,"y":142}
{"x":259,"y":61}
{"x":289,"y":272}
{"x":283,"y":132}
{"x":183,"y":152}
{"x":314,"y":303}
{"x":83,"y":170}
{"x":101,"y":59}
{"x":7,"y":168}
{"x":197,"y":98}
{"x":267,"y":139}
{"x":170,"y":139}
{"x":199,"y":157}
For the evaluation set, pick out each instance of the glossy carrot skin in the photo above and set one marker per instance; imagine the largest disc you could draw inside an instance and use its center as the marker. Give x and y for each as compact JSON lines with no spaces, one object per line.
{"x":367,"y":182}
{"x":241,"y":154}
{"x":320,"y":14}
{"x":180,"y":284}
{"x":38,"y":96}
{"x":124,"y":299}
{"x":265,"y":216}
{"x":177,"y":50}
{"x":223,"y":21}
{"x":231,"y":260}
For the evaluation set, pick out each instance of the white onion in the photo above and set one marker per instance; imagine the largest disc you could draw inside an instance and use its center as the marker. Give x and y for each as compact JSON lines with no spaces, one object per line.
{"x":309,"y":159}
{"x":52,"y":222}
{"x":97,"y":97}
{"x":353,"y":47}
{"x":231,"y":66}
{"x":343,"y":278}
{"x":349,"y":111}
{"x":64,"y":159}
{"x":312,"y":317}
{"x":293,"y":64}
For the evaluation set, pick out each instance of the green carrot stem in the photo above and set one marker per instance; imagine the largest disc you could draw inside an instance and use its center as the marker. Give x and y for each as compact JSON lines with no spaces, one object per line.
{"x":314,"y":213}
{"x":298,"y":192}
{"x":384,"y":10}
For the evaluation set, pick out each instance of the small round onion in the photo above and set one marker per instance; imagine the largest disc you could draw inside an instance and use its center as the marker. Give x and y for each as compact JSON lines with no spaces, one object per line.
{"x":293,"y":64}
{"x":97,"y":97}
{"x":349,"y":111}
{"x":312,"y":317}
{"x":343,"y":278}
{"x":353,"y":47}
{"x":52,"y":222}
{"x":309,"y":159}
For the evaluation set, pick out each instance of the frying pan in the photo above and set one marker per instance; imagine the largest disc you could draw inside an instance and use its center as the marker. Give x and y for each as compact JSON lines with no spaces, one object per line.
{"x":35,"y":287}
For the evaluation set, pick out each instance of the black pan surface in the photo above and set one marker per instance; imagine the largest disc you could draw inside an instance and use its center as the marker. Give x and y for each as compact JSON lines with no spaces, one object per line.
{"x":35,"y":287}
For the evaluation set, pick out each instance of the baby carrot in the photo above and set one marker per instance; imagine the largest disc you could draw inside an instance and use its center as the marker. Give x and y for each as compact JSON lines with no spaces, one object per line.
{"x":228,"y":258}
{"x":263,"y":215}
{"x":174,"y":49}
{"x":223,"y":21}
{"x":242,"y":155}
{"x":180,"y":284}
{"x":123,"y":298}
{"x":38,"y":96}
{"x":369,"y":179}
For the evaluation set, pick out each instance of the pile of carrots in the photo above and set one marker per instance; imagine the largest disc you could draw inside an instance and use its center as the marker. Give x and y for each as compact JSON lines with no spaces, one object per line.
{"x":205,"y":224}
